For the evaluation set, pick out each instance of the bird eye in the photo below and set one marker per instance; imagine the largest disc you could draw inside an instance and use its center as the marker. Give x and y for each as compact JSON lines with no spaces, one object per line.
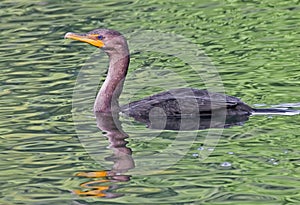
{"x":100,"y":37}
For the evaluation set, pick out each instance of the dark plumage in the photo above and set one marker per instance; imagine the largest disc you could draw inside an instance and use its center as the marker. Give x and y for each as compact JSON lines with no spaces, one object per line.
{"x":186,"y":102}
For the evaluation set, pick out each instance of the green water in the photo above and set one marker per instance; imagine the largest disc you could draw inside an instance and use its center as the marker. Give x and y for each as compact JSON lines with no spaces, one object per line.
{"x":254,"y":46}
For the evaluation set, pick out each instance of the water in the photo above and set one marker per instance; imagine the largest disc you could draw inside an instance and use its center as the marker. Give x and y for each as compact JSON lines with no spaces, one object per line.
{"x":46,"y":150}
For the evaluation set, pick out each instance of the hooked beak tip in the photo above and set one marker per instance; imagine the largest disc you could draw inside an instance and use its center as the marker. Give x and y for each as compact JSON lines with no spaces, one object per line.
{"x":67,"y":35}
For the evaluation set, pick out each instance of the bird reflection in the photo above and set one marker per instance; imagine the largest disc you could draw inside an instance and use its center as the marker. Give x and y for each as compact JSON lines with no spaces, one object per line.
{"x":104,"y":183}
{"x":216,"y":120}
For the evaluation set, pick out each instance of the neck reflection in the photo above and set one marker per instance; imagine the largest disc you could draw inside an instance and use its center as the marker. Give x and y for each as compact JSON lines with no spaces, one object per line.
{"x":102,"y":183}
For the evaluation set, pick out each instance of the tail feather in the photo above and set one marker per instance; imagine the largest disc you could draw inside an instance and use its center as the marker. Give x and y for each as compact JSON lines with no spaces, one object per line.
{"x":275,"y":111}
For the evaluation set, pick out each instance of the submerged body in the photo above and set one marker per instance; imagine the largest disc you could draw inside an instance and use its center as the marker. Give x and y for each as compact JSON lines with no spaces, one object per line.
{"x":186,"y":102}
{"x":181,"y":102}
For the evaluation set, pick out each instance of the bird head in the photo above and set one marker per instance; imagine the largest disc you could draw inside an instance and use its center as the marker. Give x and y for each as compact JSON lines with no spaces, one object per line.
{"x":106,"y":39}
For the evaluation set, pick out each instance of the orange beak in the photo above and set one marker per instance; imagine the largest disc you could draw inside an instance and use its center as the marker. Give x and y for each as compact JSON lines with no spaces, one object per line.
{"x":87,"y":38}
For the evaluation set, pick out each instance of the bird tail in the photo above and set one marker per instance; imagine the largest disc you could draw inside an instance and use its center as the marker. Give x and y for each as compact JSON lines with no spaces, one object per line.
{"x":275,"y":111}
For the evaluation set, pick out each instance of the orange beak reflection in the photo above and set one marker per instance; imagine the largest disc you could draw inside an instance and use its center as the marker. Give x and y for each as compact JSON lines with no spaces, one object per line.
{"x":87,"y":38}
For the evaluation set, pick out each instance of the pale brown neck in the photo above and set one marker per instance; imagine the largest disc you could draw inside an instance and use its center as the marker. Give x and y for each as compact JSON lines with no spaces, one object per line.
{"x":108,"y":95}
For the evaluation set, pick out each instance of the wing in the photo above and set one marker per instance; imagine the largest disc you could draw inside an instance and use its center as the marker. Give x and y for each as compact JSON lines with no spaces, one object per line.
{"x":184,"y":101}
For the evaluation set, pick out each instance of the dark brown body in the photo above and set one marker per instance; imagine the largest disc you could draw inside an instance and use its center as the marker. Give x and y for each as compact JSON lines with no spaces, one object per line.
{"x":186,"y":102}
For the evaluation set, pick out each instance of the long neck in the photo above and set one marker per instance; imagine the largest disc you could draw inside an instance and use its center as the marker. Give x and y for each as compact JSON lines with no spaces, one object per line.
{"x":108,"y":95}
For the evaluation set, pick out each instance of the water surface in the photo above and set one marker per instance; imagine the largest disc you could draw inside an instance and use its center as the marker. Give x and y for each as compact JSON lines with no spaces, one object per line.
{"x":253,"y":44}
